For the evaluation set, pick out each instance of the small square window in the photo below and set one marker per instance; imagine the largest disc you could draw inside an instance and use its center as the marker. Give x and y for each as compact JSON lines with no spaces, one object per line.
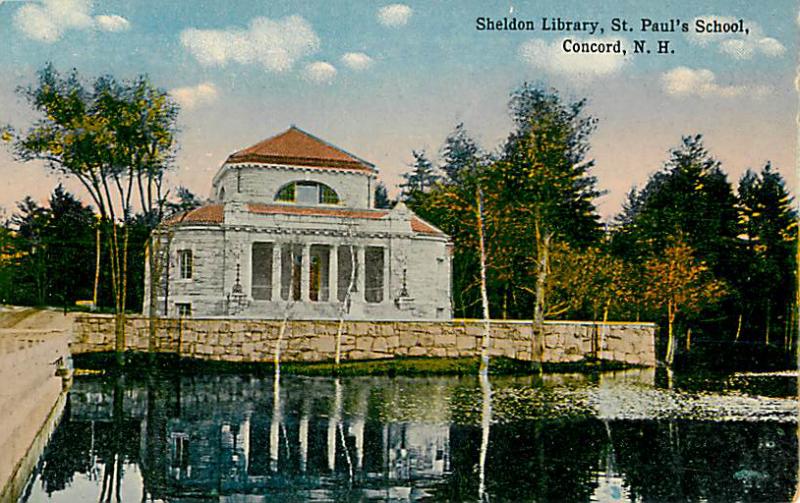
{"x":184,"y":309}
{"x":185,"y":263}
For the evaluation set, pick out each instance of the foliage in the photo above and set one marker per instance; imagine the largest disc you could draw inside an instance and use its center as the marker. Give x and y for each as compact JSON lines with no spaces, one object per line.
{"x":677,"y":283}
{"x":50,"y":251}
{"x":186,"y":201}
{"x":117,"y":139}
{"x":420,"y":179}
{"x":381,"y":196}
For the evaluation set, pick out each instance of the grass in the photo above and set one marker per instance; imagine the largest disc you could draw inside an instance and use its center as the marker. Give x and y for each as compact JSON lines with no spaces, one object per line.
{"x":388,"y":367}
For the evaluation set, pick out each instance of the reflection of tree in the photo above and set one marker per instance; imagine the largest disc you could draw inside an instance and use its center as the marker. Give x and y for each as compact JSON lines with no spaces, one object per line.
{"x":224,"y":447}
{"x":717,"y":461}
{"x":68,"y":453}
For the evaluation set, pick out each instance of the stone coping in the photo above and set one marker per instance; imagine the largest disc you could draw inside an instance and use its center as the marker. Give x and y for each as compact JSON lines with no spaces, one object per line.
{"x":459,"y":321}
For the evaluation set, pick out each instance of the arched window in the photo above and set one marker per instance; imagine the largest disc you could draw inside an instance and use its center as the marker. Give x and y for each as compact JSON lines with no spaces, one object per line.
{"x":307,"y":193}
{"x":222,"y":194}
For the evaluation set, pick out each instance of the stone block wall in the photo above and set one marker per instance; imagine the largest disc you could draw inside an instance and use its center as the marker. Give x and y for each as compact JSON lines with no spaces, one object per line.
{"x":245,"y":340}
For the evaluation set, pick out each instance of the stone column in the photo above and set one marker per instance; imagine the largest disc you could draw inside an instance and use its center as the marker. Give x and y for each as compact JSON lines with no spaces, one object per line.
{"x":360,"y":275}
{"x":333,"y":274}
{"x":305,"y":271}
{"x":276,"y":272}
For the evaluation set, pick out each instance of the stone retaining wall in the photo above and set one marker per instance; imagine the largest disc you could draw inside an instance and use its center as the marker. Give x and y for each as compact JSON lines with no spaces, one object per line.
{"x":240,"y":340}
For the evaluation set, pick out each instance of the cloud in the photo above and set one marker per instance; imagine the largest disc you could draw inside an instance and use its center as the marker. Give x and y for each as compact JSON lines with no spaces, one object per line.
{"x":319,"y":72}
{"x":112,"y":23}
{"x":49,"y":20}
{"x":193,"y":96}
{"x":394,"y":15}
{"x":356,"y":60}
{"x":274,"y":44}
{"x":738,"y":45}
{"x":684,"y":81}
{"x":552,"y":58}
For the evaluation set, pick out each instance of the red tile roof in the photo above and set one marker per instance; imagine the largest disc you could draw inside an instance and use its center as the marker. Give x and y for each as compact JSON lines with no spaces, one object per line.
{"x":209,"y":214}
{"x":213,"y":214}
{"x":423,"y":227}
{"x":296,"y":147}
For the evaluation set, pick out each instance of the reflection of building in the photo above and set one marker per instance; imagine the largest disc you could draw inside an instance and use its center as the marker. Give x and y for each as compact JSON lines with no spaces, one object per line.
{"x":292,"y":227}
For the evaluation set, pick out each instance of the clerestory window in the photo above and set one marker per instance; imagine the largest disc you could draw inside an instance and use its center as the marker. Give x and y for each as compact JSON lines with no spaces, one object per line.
{"x":307,"y":193}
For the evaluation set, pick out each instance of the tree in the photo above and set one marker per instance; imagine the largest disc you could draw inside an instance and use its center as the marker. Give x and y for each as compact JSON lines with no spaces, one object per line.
{"x":420,"y":179}
{"x":690,"y":196}
{"x":70,"y":242}
{"x":51,"y":261}
{"x":30,"y":224}
{"x":546,"y":191}
{"x":458,"y":153}
{"x":382,"y":200}
{"x":115,"y":138}
{"x":768,"y":226}
{"x":679,"y":284}
{"x":186,"y":201}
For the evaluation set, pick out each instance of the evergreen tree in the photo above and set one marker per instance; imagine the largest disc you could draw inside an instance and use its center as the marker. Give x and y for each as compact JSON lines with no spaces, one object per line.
{"x":690,"y":197}
{"x":420,"y":179}
{"x":458,"y":153}
{"x":70,"y":240}
{"x":382,"y":200}
{"x":768,"y":226}
{"x":186,"y":201}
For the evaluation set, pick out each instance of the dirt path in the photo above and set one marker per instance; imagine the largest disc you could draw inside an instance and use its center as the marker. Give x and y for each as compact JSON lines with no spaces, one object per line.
{"x":34,"y":319}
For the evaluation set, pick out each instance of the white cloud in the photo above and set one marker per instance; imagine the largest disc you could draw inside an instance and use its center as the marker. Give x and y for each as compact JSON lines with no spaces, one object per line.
{"x":394,"y":15}
{"x":112,"y":23}
{"x":319,"y":72}
{"x":274,"y":44}
{"x":49,"y":20}
{"x":356,"y":60}
{"x":738,"y":45}
{"x":684,"y":81}
{"x":552,"y":58}
{"x":193,"y":96}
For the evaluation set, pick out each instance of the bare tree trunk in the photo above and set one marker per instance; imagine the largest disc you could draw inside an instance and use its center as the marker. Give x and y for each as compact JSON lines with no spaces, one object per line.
{"x":153,"y":249}
{"x":344,"y":308}
{"x":487,"y":323}
{"x":688,"y":340}
{"x":738,"y":328}
{"x":767,"y":323}
{"x":670,"y":333}
{"x":537,"y":332}
{"x":96,"y":267}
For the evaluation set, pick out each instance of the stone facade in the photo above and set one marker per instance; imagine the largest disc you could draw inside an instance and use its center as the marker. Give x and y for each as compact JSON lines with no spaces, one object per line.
{"x":261,"y":250}
{"x":248,"y":340}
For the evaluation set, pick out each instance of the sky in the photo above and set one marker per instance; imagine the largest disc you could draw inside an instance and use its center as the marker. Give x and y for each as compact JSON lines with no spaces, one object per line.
{"x":381,"y":79}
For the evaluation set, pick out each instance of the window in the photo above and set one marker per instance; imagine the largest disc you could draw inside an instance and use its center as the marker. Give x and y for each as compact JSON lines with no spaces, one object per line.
{"x":307,"y":193}
{"x":319,"y":273}
{"x":261,"y":272}
{"x":184,"y":309}
{"x":373,"y":274}
{"x":222,"y":194}
{"x":185,"y":263}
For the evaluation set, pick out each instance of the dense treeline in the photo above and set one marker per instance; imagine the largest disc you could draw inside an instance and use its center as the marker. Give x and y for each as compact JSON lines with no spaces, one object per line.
{"x":49,"y":253}
{"x":712,"y":264}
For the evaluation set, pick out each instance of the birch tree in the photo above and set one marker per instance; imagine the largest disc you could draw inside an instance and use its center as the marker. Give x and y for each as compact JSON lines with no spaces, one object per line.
{"x":117,"y":139}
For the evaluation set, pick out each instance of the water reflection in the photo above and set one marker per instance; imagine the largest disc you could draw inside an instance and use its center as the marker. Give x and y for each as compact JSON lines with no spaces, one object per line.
{"x":233,"y":438}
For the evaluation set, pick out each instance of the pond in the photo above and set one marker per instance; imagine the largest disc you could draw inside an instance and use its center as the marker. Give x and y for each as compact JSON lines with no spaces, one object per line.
{"x":563,"y":437}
